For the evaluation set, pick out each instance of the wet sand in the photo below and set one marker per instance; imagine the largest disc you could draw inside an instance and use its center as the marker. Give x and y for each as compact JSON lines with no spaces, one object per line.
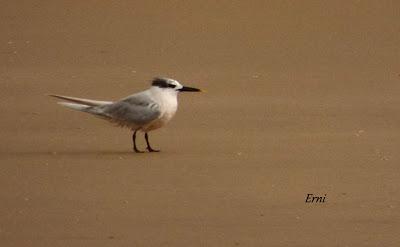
{"x":303,"y":97}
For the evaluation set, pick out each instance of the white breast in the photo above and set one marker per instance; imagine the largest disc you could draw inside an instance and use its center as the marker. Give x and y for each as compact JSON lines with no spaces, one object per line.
{"x":167,"y":99}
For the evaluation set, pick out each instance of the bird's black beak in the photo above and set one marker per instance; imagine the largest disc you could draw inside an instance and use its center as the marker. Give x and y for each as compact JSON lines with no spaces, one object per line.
{"x":189,"y":89}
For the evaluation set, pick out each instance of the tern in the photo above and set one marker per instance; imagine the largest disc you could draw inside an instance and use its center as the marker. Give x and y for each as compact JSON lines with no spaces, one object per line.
{"x":144,"y":111}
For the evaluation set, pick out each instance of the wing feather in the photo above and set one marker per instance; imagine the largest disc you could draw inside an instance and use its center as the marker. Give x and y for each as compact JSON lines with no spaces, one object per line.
{"x":136,"y":110}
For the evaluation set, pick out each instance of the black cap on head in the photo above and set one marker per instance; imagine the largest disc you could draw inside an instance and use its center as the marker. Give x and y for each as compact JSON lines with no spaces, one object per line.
{"x":162,"y":83}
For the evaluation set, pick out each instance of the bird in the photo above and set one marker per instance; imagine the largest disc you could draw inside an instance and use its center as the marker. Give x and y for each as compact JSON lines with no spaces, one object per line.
{"x":143,"y":111}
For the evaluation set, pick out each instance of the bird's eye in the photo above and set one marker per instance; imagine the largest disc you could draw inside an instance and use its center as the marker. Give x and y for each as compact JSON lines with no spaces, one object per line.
{"x":171,"y":85}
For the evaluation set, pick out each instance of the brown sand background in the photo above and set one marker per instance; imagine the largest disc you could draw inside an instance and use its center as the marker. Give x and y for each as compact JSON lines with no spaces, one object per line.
{"x":303,"y":97}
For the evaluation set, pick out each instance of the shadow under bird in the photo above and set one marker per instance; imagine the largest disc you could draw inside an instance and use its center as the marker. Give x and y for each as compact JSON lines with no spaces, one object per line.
{"x":144,"y":111}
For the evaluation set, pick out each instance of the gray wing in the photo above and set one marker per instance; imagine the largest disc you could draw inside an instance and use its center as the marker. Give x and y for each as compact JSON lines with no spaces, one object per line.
{"x":138,"y":109}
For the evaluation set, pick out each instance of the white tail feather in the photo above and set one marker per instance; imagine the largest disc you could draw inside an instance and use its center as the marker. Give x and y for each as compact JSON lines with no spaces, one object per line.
{"x":97,"y":111}
{"x":87,"y":102}
{"x":74,"y":106}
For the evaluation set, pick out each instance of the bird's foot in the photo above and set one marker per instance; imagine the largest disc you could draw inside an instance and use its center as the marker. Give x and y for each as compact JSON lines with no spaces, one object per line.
{"x":152,"y":150}
{"x":137,"y":150}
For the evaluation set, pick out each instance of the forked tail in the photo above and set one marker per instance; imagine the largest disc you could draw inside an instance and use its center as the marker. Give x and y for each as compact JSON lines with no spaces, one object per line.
{"x":87,"y":102}
{"x":85,"y":105}
{"x":75,"y":106}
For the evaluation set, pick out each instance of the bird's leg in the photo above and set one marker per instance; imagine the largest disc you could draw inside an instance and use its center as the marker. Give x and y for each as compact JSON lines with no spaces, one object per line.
{"x":134,"y":143}
{"x":146,"y":136}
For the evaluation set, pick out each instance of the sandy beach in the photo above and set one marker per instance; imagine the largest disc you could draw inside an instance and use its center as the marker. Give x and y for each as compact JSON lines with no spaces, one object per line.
{"x":302,"y":97}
